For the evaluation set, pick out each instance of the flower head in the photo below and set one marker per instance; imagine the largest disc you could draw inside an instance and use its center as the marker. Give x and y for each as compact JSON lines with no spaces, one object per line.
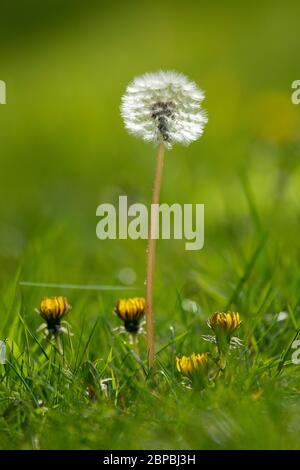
{"x":52,"y":310}
{"x":224,"y":323}
{"x":131,"y":311}
{"x":164,"y":107}
{"x":191,"y":365}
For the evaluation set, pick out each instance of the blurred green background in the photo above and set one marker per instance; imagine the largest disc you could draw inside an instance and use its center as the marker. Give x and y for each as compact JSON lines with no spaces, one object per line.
{"x":63,"y":146}
{"x":64,"y":149}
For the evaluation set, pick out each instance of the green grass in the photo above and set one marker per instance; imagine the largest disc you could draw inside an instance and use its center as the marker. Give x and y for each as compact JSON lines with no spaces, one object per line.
{"x":64,"y":151}
{"x":43,"y":397}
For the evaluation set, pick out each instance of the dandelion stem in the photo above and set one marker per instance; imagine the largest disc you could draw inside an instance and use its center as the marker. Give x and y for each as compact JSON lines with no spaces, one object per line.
{"x":134,"y":344}
{"x":58,"y":345}
{"x":151,"y":253}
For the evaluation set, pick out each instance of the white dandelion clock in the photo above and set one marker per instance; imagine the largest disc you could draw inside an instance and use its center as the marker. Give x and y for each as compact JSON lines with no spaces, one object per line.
{"x":164,"y":107}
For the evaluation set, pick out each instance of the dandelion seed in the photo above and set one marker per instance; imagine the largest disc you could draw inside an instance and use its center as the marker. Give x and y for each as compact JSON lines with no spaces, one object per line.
{"x":163,"y":108}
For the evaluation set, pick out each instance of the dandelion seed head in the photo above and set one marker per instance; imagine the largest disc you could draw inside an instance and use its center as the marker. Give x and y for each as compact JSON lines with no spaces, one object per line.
{"x":164,"y":107}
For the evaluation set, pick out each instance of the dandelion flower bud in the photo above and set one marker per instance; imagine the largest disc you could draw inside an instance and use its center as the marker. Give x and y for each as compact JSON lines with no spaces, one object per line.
{"x":224,"y":323}
{"x":191,"y":365}
{"x":164,"y":107}
{"x":131,"y":311}
{"x":52,"y":309}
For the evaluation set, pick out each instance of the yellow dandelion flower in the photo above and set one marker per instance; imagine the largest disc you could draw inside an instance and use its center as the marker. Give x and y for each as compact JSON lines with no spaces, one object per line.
{"x":224,"y":322}
{"x":52,"y":309}
{"x":131,"y":311}
{"x":190,"y":365}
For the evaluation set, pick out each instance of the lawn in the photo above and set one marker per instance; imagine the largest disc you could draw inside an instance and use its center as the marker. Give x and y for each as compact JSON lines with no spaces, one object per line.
{"x":64,"y":151}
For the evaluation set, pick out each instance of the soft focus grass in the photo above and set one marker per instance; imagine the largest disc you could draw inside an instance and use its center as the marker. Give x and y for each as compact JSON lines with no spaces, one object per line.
{"x":64,"y":151}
